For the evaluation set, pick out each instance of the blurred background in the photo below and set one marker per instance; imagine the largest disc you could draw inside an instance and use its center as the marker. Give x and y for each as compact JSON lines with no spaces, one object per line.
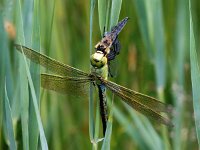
{"x":155,"y":59}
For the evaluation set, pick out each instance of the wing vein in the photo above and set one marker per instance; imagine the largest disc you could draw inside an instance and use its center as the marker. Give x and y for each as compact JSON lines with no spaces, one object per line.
{"x":50,"y":63}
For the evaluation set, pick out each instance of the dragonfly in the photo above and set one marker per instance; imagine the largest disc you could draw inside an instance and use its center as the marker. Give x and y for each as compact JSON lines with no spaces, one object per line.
{"x":69,"y":80}
{"x":110,"y":44}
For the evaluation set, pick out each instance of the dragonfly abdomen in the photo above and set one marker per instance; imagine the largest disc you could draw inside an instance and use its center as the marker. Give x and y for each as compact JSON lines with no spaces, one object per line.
{"x":103,"y":106}
{"x":118,"y":28}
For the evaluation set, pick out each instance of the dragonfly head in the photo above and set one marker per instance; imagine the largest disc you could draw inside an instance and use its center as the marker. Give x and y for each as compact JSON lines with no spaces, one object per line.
{"x":98,"y":59}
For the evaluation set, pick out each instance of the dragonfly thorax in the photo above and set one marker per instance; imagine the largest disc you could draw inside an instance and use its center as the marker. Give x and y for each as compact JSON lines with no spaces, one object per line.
{"x":104,"y":45}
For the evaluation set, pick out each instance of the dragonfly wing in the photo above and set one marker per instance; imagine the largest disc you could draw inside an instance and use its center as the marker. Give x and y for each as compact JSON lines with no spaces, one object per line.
{"x":144,"y":104}
{"x":66,"y":85}
{"x":112,"y":61}
{"x":142,"y":98}
{"x":50,"y":63}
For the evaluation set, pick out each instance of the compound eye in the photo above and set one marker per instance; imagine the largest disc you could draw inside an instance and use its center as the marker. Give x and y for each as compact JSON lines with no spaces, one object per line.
{"x":98,"y":60}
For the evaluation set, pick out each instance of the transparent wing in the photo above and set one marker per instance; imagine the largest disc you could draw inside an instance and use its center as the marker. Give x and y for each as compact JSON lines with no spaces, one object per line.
{"x":66,"y":85}
{"x":50,"y":63}
{"x":112,"y":60}
{"x":144,"y":104}
{"x":113,"y":67}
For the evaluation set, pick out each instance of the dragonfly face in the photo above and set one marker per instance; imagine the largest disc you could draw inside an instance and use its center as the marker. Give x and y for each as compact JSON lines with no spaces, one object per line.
{"x":98,"y":60}
{"x":99,"y":63}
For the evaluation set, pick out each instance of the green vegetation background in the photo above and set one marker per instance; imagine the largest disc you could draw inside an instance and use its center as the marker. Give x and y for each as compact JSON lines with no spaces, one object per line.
{"x":155,"y":59}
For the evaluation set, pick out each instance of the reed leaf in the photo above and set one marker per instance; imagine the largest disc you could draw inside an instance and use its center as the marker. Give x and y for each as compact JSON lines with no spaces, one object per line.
{"x":195,"y":77}
{"x":35,"y":75}
{"x":9,"y":122}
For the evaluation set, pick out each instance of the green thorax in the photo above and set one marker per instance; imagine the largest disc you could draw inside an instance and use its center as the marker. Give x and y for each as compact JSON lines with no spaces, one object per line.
{"x":103,"y":72}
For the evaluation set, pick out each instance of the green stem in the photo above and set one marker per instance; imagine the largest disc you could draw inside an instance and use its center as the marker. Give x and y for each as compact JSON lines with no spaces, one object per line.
{"x":164,"y":131}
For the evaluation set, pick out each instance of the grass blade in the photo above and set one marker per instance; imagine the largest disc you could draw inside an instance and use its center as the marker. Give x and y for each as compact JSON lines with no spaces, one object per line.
{"x":181,"y":45}
{"x":152,"y":29}
{"x":35,"y":103}
{"x":9,"y":125}
{"x":115,"y":11}
{"x":143,"y":23}
{"x":3,"y":51}
{"x":91,"y":100}
{"x":102,"y":9}
{"x":151,"y":13}
{"x":32,"y":90}
{"x":23,"y":91}
{"x":143,"y":126}
{"x":97,"y":122}
{"x":35,"y":75}
{"x":195,"y":77}
{"x":129,"y":129}
{"x":107,"y":138}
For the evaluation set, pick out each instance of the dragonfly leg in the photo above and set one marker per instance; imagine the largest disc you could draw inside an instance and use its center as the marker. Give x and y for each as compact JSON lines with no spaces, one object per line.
{"x":114,"y":50}
{"x":109,"y":71}
{"x":117,"y":46}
